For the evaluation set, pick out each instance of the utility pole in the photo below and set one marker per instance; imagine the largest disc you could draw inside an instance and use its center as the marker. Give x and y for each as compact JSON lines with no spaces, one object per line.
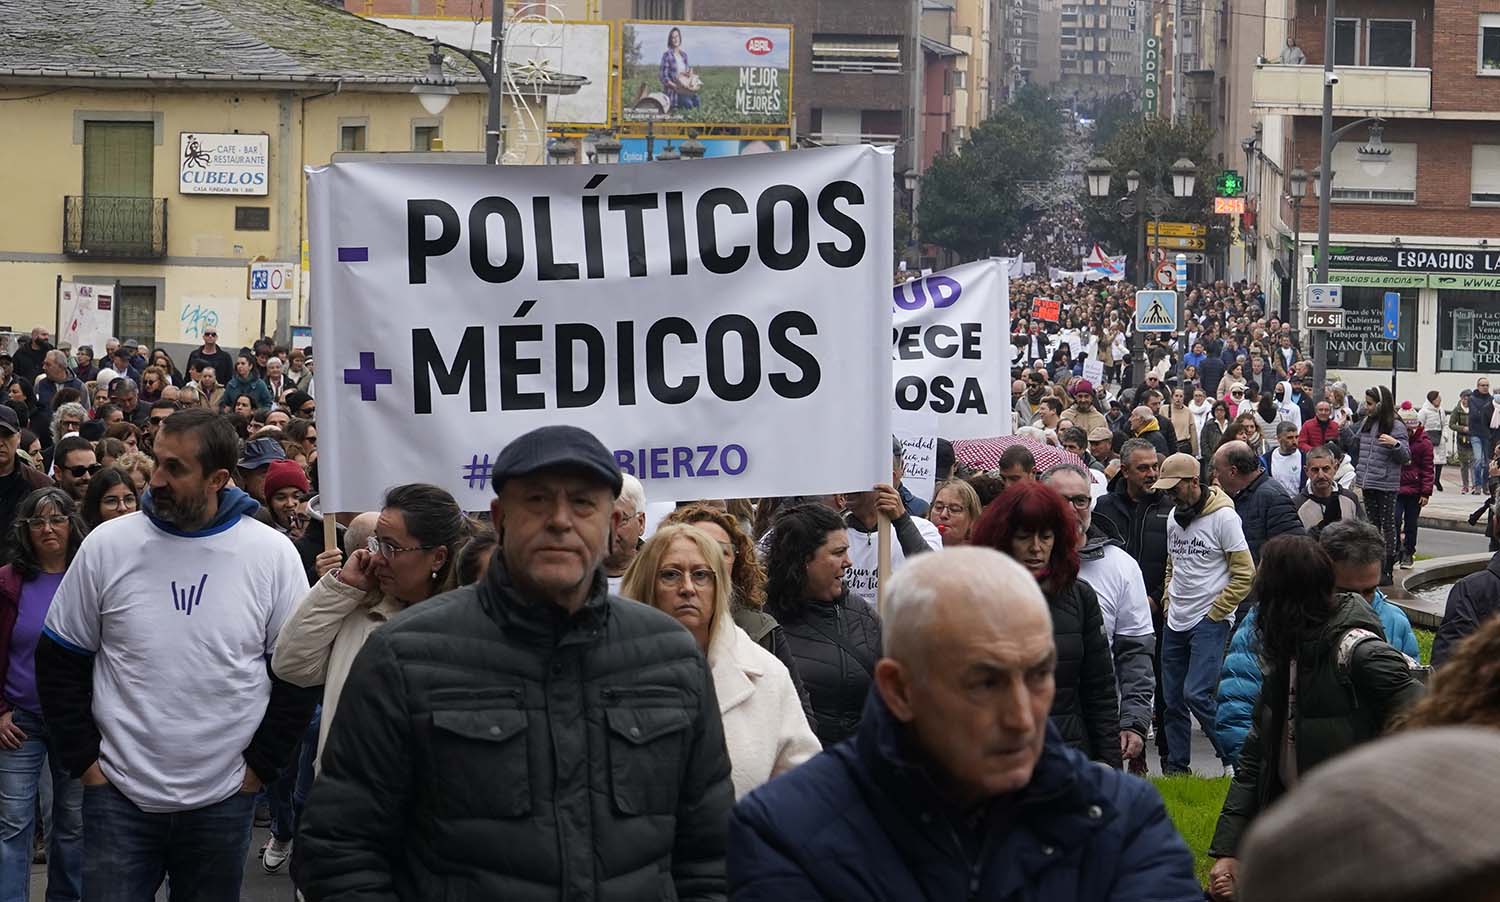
{"x":1325,"y":188}
{"x":494,"y":129}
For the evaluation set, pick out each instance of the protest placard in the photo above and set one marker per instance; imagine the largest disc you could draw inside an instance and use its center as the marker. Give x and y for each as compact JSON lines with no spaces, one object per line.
{"x":1046,"y":308}
{"x":697,"y":317}
{"x":1093,"y":371}
{"x":917,"y":431}
{"x":952,"y":348}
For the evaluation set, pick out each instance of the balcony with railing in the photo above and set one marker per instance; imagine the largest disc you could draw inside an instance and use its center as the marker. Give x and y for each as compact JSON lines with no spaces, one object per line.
{"x":115,"y":228}
{"x":1361,"y":91}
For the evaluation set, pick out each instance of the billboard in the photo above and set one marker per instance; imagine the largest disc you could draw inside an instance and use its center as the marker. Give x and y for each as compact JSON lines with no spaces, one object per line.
{"x":572,"y":48}
{"x":633,"y":150}
{"x":709,"y":75}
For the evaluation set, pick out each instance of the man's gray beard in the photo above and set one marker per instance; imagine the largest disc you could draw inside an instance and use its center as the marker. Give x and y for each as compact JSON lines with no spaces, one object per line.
{"x":185,"y":516}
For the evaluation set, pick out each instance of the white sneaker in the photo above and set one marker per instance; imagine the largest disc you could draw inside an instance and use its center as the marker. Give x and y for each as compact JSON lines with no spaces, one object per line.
{"x":273,"y":857}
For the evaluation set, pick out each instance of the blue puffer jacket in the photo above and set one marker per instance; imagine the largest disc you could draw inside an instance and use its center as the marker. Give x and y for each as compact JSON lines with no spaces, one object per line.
{"x":1239,"y":681}
{"x":863,"y":822}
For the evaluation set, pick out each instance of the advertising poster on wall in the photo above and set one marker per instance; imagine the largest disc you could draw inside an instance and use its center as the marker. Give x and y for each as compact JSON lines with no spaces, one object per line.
{"x":710,"y":75}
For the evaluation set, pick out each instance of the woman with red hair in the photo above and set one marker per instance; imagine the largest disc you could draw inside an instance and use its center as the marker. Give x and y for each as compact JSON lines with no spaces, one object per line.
{"x":1032,"y":523}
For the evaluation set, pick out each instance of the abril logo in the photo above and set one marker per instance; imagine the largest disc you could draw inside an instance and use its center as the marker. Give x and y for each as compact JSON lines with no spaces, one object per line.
{"x":189,"y":596}
{"x":759,"y":46}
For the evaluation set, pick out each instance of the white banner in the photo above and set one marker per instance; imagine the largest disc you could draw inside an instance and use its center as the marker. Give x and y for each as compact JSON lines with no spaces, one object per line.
{"x":952,"y":348}
{"x":85,"y":315}
{"x":702,"y":318}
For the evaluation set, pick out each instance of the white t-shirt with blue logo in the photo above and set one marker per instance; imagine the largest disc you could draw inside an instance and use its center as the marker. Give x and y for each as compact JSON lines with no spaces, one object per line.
{"x":180,"y":630}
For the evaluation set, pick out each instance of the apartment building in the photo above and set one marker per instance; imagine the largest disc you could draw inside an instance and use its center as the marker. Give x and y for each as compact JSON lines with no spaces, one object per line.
{"x":1415,"y":208}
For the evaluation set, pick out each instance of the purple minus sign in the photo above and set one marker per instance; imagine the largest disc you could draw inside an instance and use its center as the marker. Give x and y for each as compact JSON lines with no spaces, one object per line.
{"x":354,"y":254}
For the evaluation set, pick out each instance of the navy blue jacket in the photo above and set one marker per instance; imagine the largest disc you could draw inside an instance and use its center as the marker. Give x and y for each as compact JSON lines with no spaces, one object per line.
{"x":862,"y":821}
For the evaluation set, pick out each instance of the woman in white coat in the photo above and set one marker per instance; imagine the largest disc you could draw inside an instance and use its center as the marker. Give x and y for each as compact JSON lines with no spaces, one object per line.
{"x":681,"y":572}
{"x":410,"y":558}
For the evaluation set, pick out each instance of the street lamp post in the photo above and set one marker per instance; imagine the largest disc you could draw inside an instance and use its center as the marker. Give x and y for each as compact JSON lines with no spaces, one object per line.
{"x":1139,"y":202}
{"x":436,"y":90}
{"x":1296,"y":183}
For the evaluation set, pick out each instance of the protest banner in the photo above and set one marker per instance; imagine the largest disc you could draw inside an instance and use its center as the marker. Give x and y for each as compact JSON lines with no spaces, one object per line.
{"x":952,"y":348}
{"x":696,"y":317}
{"x":1046,"y":308}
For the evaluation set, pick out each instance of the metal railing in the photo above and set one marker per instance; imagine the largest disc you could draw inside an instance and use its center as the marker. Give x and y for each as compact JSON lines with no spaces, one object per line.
{"x":121,"y":228}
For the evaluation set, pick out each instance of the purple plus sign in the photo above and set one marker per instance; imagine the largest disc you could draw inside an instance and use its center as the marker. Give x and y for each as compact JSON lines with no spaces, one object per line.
{"x":367,"y":376}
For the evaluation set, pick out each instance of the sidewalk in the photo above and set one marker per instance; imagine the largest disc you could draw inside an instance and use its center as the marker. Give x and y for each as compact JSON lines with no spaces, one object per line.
{"x":1450,"y":510}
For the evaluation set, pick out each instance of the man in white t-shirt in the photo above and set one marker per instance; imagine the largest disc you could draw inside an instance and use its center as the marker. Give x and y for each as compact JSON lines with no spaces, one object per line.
{"x":154,"y":678}
{"x":912,"y":534}
{"x":1116,"y":579}
{"x":1209,"y":572}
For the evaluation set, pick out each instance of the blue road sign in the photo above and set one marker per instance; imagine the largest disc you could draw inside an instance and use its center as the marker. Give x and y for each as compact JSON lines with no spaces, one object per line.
{"x":1392,"y":317}
{"x":1156,"y":311}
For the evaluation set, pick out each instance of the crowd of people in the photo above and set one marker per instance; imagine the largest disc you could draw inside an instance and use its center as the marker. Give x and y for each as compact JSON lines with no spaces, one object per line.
{"x":557,"y":697}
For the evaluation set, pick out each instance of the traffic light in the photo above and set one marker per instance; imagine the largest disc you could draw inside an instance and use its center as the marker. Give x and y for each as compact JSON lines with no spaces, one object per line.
{"x":1229,"y":184}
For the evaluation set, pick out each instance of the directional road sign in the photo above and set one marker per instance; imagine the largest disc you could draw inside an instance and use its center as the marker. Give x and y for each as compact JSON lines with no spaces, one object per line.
{"x":1156,"y":311}
{"x":1392,"y":315}
{"x":1176,"y":244}
{"x":1325,"y":296}
{"x":1331,"y":320}
{"x":1176,"y":229}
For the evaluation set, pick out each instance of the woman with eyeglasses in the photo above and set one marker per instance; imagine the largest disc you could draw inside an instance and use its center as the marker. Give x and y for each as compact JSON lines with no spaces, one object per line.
{"x":681,"y":572}
{"x":1034,"y":524}
{"x":111,"y":494}
{"x":747,"y":583}
{"x":43,"y":541}
{"x":834,"y":636}
{"x":954,"y":511}
{"x":409,"y":559}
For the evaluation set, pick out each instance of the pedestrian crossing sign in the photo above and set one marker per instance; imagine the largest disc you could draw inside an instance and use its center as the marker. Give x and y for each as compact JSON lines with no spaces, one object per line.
{"x":1156,"y":311}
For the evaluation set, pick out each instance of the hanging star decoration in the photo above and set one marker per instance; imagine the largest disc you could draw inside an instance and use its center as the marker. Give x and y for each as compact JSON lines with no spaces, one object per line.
{"x":534,"y":71}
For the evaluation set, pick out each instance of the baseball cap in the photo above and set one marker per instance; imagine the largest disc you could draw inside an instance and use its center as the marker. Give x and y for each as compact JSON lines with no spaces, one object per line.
{"x":260,"y":452}
{"x":555,"y":447}
{"x":1100,"y":434}
{"x":10,"y":424}
{"x":1175,"y":469}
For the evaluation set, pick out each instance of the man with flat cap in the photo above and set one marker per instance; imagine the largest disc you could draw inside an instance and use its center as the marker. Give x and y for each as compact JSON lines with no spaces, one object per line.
{"x":530,"y":736}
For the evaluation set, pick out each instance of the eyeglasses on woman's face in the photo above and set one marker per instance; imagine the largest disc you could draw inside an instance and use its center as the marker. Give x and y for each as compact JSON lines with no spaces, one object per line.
{"x":54,"y":521}
{"x":940,"y":508}
{"x":672,"y":577}
{"x":119,"y":502}
{"x":388,"y":549}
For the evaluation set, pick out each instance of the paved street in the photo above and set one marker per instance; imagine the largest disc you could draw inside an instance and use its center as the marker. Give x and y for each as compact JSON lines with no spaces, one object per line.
{"x":1444,"y":542}
{"x":259,"y":886}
